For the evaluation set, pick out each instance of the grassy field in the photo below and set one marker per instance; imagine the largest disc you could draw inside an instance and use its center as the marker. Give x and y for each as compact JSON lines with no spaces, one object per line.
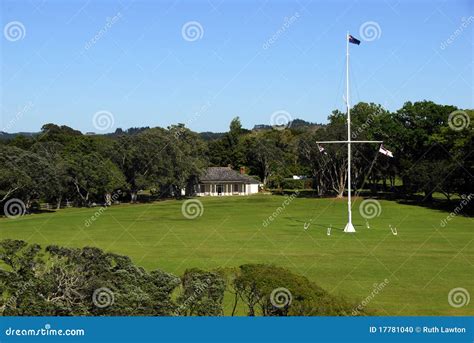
{"x":422,"y":263}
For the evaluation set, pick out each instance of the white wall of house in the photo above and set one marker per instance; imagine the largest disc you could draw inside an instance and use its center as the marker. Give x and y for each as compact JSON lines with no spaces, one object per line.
{"x":226,"y":189}
{"x":253,"y":188}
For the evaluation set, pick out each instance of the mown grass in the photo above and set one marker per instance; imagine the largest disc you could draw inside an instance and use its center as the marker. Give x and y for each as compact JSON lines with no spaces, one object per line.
{"x":422,"y":263}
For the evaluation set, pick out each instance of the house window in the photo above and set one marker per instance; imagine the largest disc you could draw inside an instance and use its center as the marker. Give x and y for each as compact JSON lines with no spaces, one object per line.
{"x":202,"y":188}
{"x":236,"y":188}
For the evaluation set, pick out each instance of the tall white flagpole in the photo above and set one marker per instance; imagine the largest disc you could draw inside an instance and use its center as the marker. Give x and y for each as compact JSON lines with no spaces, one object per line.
{"x":349,"y":227}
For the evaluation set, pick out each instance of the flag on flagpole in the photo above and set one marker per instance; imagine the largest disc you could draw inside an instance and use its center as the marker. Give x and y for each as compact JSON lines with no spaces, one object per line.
{"x":322,"y":150}
{"x":353,"y":40}
{"x":384,"y":151}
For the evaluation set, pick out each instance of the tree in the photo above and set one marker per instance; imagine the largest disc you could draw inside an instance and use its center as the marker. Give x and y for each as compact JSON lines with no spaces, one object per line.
{"x":372,"y":122}
{"x":61,"y":134}
{"x":203,"y":293}
{"x":185,"y":156}
{"x":421,"y":122}
{"x":23,"y":174}
{"x":329,"y":169}
{"x":58,"y":184}
{"x":70,"y":282}
{"x":161,"y":159}
{"x":228,"y":150}
{"x":93,"y":176}
{"x":273,"y":291}
{"x":261,"y":155}
{"x":459,"y":145}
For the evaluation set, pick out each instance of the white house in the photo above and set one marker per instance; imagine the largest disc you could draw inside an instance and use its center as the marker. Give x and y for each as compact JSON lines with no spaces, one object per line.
{"x":225,"y":181}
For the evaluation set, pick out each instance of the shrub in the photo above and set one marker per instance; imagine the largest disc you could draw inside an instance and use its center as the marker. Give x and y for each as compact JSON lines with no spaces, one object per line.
{"x":87,"y":281}
{"x":203,"y":293}
{"x":275,"y":291}
{"x":296,"y":184}
{"x":71,"y":282}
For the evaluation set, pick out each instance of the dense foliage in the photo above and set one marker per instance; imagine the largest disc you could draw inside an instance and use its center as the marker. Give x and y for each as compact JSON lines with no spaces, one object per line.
{"x":67,"y":282}
{"x":273,"y":291}
{"x":61,"y":164}
{"x":202,"y":295}
{"x":71,"y":282}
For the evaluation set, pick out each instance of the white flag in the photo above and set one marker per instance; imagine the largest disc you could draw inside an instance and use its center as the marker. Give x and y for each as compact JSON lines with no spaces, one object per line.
{"x":384,"y":151}
{"x":321,"y":150}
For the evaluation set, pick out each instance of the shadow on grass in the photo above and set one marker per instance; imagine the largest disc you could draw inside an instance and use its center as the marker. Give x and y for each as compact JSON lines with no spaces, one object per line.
{"x":442,"y":205}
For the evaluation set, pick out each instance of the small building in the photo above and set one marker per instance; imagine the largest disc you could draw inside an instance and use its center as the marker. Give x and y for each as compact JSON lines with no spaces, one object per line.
{"x":226,"y":181}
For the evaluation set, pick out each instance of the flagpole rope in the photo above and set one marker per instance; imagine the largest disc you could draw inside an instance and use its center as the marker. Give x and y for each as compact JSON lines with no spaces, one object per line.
{"x":367,"y":175}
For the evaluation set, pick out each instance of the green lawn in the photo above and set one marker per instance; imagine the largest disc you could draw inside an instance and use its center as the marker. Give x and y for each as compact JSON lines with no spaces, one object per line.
{"x":422,"y":263}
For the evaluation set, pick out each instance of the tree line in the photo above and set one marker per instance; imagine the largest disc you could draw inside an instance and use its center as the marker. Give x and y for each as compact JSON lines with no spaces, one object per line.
{"x":432,"y":146}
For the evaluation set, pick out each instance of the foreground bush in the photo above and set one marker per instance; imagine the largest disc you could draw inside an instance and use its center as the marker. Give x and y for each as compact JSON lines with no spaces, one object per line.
{"x":68,"y":282}
{"x":203,"y":294}
{"x":60,"y":281}
{"x":274,"y":291}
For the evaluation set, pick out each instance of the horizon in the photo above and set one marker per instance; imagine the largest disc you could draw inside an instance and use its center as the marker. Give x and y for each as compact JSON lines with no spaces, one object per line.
{"x":250,"y":128}
{"x":97,"y":67}
{"x":148,"y":127}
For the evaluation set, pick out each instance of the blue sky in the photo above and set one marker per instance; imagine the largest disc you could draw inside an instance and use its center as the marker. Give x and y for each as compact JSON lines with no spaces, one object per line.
{"x":143,"y":71}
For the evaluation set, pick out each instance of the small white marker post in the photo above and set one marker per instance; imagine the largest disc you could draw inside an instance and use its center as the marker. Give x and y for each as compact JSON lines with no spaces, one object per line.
{"x":349,"y":227}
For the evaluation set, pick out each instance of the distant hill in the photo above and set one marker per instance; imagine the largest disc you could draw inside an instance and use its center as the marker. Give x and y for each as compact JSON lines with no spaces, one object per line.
{"x":6,"y":135}
{"x":210,"y":136}
{"x":297,"y":124}
{"x":294,"y":124}
{"x":130,"y":131}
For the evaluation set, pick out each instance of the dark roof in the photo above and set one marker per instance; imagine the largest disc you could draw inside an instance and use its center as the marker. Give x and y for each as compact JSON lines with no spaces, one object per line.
{"x":227,"y":174}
